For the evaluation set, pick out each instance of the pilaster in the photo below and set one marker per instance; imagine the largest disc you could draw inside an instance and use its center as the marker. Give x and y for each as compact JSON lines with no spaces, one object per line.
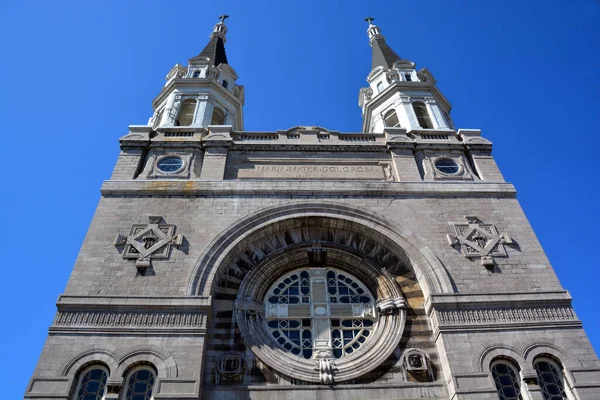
{"x":402,"y":150}
{"x":216,"y":146}
{"x":133,"y":152}
{"x":480,"y":152}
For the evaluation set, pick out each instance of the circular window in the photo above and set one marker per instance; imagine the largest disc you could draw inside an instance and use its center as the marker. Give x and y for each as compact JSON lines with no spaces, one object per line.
{"x":319,"y":303}
{"x":170,"y":164}
{"x":447,"y":166}
{"x":320,"y":323}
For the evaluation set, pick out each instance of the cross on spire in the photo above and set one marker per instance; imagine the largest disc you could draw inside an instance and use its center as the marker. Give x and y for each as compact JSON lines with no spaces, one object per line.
{"x":370,"y":20}
{"x":223,"y":18}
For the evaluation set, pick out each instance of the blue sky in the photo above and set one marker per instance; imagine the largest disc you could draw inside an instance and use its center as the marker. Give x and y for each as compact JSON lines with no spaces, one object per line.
{"x":75,"y":74}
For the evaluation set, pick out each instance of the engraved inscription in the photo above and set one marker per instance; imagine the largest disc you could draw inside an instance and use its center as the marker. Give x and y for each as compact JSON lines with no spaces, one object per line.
{"x":379,"y":171}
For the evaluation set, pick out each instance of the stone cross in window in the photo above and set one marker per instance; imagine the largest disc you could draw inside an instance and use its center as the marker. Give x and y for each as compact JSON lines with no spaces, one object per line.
{"x":332,"y":306}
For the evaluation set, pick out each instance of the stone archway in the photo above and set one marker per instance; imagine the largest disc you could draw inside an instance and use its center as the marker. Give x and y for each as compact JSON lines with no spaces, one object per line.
{"x":247,"y":242}
{"x":356,"y":241}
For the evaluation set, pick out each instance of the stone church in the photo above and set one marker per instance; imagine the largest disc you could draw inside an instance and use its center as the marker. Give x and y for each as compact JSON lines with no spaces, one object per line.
{"x":306,"y":263}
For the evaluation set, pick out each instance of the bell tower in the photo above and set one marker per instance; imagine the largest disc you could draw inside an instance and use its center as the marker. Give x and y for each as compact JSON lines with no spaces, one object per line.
{"x":398,"y":94}
{"x":203,"y":93}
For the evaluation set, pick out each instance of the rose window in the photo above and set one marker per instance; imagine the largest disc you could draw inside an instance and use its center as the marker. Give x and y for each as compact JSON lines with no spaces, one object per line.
{"x":317,"y":312}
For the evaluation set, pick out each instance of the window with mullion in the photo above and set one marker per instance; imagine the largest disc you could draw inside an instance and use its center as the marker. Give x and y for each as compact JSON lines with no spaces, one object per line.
{"x":92,"y":384}
{"x":507,"y":380}
{"x":550,"y":380}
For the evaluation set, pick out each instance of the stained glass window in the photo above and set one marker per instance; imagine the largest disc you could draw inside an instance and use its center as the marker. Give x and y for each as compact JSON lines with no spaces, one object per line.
{"x":92,"y":384}
{"x":319,"y":309}
{"x":447,"y":166}
{"x":170,"y":164}
{"x":550,"y":379}
{"x":140,"y":384}
{"x":507,"y":380}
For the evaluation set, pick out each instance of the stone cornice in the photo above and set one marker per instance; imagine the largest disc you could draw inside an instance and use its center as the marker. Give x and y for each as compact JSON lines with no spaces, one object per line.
{"x":452,"y":301}
{"x":133,"y":315}
{"x":181,"y":303}
{"x":500,"y":311}
{"x":115,"y":188}
{"x":307,"y":139}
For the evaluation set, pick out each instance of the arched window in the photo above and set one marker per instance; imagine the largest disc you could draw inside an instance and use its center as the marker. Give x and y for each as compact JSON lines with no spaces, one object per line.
{"x":507,"y":380}
{"x":186,"y":113}
{"x":391,"y":119}
{"x":139,"y":384}
{"x":550,"y":379}
{"x":422,"y":115}
{"x":218,"y":117}
{"x":379,"y":87}
{"x":225,"y":83}
{"x":196,"y":74}
{"x":92,"y":383}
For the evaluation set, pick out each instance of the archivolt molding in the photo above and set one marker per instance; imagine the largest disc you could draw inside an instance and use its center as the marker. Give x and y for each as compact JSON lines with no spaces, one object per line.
{"x":524,"y":356}
{"x":90,"y":355}
{"x":534,"y":350}
{"x":166,"y":367}
{"x":482,"y":358}
{"x":253,"y":238}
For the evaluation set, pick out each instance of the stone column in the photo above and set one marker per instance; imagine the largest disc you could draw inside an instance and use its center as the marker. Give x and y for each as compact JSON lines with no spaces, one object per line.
{"x":203,"y":111}
{"x":168,"y":118}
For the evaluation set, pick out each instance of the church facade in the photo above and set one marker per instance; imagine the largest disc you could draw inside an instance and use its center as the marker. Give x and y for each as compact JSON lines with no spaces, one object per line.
{"x":391,"y":263}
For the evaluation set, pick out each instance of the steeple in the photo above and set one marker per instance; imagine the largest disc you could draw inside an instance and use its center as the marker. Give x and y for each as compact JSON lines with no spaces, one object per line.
{"x":383,"y":55}
{"x":399,"y":96}
{"x":204,"y":93}
{"x":215,"y":49}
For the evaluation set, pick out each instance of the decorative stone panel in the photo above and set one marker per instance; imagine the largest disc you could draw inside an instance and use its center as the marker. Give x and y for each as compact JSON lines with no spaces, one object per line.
{"x":145,"y":242}
{"x":479,"y":240}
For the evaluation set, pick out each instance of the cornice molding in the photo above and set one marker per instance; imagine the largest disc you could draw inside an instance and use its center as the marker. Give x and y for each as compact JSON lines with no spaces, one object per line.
{"x":501,"y":311}
{"x":255,"y":187}
{"x":133,"y":315}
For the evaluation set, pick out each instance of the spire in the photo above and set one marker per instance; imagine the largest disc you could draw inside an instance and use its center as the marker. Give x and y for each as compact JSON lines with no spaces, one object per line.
{"x":383,"y":55}
{"x":215,"y":49}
